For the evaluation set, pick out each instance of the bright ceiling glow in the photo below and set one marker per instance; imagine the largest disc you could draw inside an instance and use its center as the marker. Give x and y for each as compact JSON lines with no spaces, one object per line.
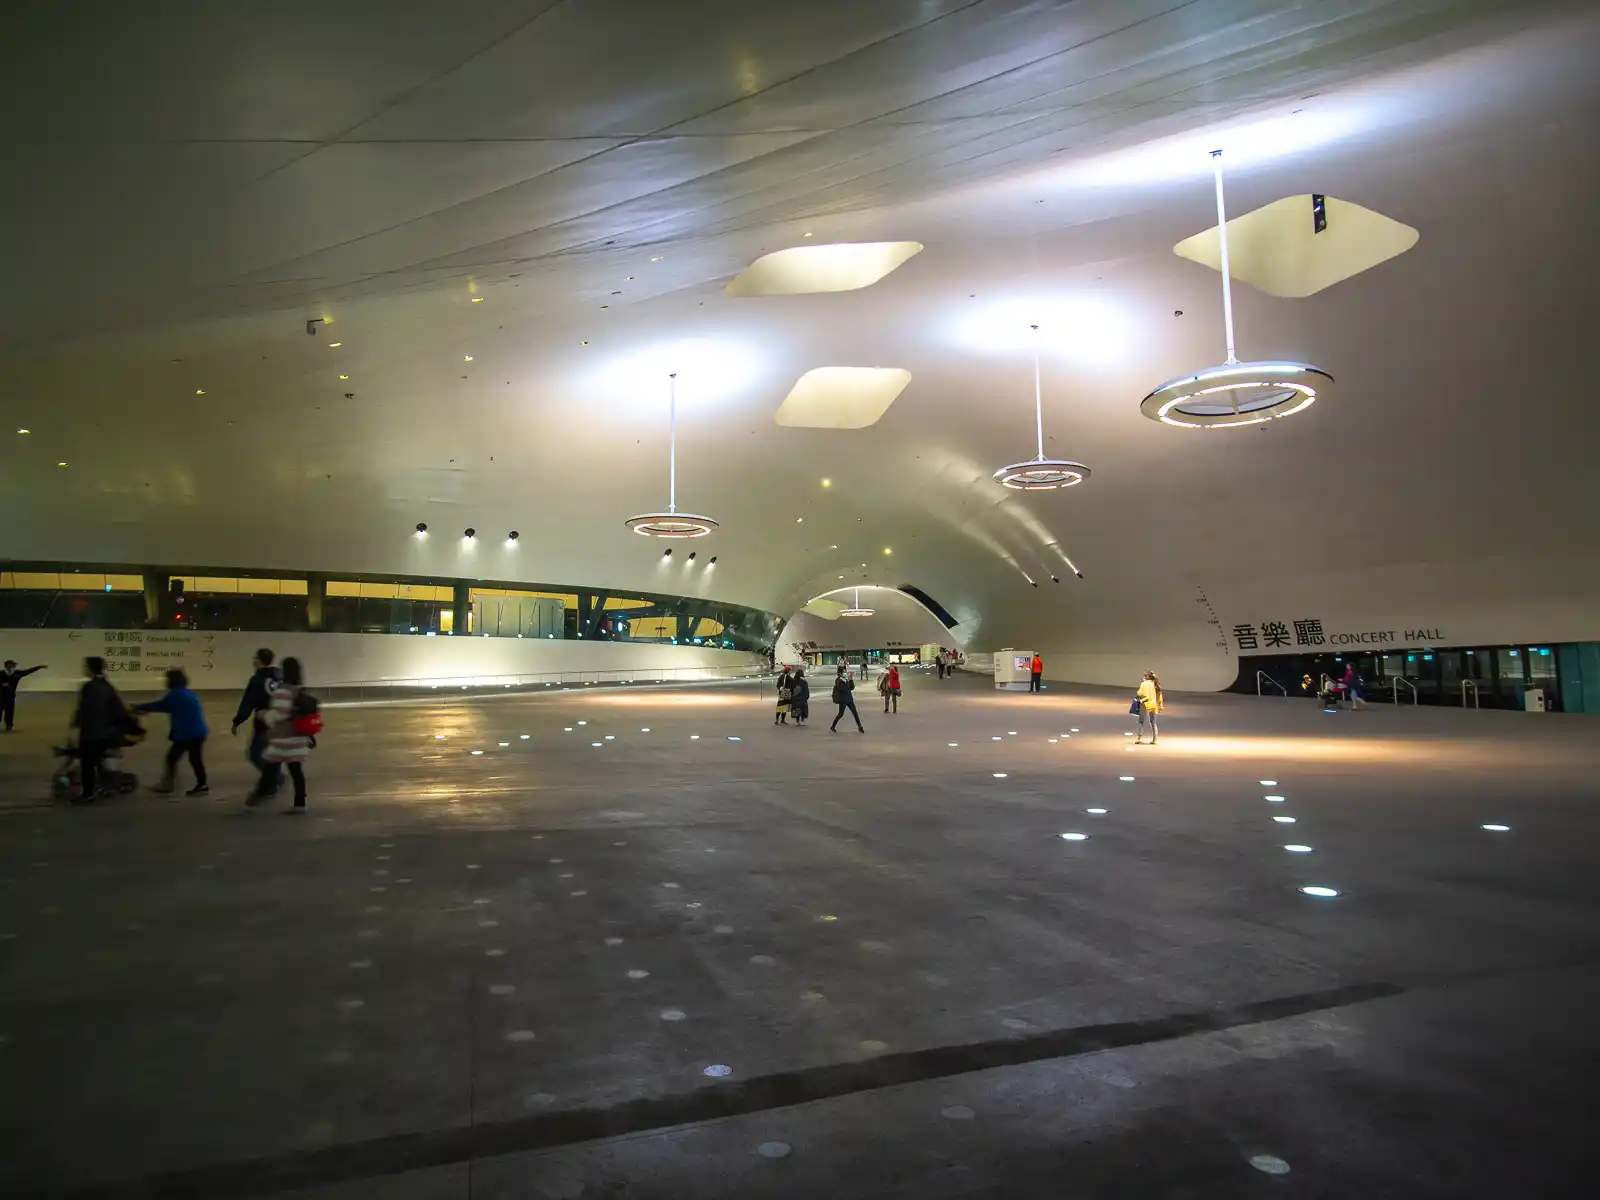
{"x":1075,"y":837}
{"x":1297,"y":849}
{"x":1319,"y":891}
{"x":1247,"y":144}
{"x":841,"y":397}
{"x":1273,"y":799}
{"x":1284,"y":820}
{"x":1099,"y":812}
{"x":833,"y":267}
{"x":1084,"y":330}
{"x":1498,"y":828}
{"x":1269,"y":783}
{"x":711,"y":370}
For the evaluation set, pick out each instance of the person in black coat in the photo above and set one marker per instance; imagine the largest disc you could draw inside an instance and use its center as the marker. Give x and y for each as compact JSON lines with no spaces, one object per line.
{"x":844,"y":689}
{"x":9,"y":679}
{"x":101,"y":720}
{"x":258,"y":698}
{"x":800,"y":696}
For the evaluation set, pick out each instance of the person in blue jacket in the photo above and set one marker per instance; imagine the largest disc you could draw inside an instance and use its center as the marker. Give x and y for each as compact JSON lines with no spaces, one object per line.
{"x":188,"y":732}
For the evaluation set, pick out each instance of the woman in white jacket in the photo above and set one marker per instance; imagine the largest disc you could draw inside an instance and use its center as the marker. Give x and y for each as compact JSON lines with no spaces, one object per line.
{"x":284,"y":744}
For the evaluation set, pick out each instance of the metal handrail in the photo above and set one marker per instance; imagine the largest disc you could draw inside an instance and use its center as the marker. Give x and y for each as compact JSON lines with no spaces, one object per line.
{"x":1473,"y":684}
{"x":1394,"y":686}
{"x":1263,"y":676}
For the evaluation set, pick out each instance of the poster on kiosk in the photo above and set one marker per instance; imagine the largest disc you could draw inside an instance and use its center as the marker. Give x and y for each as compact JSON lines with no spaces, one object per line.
{"x":1013,"y":669}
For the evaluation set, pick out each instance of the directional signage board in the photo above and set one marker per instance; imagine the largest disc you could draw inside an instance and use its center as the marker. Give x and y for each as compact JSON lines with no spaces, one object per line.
{"x":147,"y":653}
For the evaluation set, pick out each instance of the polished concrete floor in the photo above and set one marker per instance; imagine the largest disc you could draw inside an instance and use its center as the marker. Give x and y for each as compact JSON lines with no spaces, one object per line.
{"x":641,"y":943}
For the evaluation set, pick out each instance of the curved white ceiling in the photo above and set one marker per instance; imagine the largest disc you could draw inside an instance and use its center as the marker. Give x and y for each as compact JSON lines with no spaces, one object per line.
{"x":517,"y":219}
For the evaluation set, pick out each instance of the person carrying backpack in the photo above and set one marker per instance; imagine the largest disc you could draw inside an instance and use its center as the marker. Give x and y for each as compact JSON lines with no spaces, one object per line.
{"x":844,"y":689}
{"x":292,"y":720}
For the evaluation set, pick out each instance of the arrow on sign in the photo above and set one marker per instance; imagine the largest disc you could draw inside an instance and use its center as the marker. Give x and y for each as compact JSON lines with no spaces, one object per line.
{"x":208,"y":650}
{"x":210,"y":637}
{"x":205,"y":666}
{"x":74,"y":636}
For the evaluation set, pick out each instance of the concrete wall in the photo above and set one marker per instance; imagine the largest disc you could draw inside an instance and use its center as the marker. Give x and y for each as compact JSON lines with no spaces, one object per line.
{"x":222,"y":660}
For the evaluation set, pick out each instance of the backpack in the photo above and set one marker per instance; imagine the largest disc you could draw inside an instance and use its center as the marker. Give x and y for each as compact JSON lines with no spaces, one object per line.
{"x":305,"y":713}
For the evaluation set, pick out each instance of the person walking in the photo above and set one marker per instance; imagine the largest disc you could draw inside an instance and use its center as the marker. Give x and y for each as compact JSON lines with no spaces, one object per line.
{"x":1036,"y":669}
{"x":1354,"y":687}
{"x":10,"y":677}
{"x":187,"y":732}
{"x":780,"y":715}
{"x":1151,"y":701}
{"x":251,"y":705}
{"x":101,"y":719}
{"x":286,"y":744}
{"x":889,"y":687}
{"x":800,"y":697}
{"x":844,"y":689}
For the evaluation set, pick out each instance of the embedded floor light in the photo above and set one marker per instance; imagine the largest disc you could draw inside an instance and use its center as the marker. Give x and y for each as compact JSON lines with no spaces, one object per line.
{"x":856,"y":610}
{"x":1234,"y":392}
{"x":672,"y":523}
{"x":1041,"y":474}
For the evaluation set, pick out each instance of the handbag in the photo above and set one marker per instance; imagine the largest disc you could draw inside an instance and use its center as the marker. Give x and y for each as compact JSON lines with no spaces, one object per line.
{"x":1136,"y":707}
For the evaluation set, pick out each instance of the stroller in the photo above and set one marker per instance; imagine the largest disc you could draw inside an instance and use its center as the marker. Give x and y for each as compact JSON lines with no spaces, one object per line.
{"x":66,"y":782}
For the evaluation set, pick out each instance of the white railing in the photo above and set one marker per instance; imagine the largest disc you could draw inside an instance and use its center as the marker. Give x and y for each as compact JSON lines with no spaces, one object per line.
{"x":1472,"y":686}
{"x":1397,"y":682}
{"x":1263,"y":677}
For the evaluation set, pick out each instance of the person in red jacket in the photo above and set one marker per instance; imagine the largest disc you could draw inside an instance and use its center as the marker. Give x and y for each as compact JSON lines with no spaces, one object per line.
{"x":1037,"y":670}
{"x":889,"y":685}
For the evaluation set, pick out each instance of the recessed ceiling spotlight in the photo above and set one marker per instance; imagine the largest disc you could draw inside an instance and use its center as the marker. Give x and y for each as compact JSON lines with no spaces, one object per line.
{"x":1055,"y":579}
{"x":334,"y":345}
{"x":799,"y":520}
{"x":469,"y":533}
{"x":199,"y":391}
{"x":512,"y":536}
{"x":422,"y":528}
{"x":466,"y":358}
{"x":61,"y":464}
{"x":1041,"y":474}
{"x":827,"y":483}
{"x":344,"y":377}
{"x":691,"y":555}
{"x":667,"y":553}
{"x":655,"y":258}
{"x":713,"y":561}
{"x":672,"y":523}
{"x":1235,"y":393}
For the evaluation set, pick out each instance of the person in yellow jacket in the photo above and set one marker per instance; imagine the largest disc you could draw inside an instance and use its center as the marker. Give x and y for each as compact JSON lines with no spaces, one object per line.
{"x":1151,"y":702}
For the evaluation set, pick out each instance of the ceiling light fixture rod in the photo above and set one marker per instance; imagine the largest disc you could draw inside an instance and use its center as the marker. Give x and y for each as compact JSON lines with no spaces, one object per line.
{"x":1038,"y":394}
{"x":1222,"y":242}
{"x":672,"y":452}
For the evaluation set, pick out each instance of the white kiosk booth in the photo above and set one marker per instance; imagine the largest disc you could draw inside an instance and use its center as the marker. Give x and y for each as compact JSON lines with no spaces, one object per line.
{"x":1013,"y":668}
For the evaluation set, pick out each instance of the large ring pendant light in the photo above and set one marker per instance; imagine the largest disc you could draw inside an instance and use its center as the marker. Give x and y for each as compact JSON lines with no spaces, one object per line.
{"x":856,"y":610}
{"x":1041,"y":474}
{"x":1234,"y":392}
{"x":672,"y":523}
